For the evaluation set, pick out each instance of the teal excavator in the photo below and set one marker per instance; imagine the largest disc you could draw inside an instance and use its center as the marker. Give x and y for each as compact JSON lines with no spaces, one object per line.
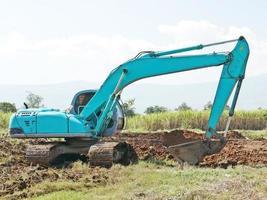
{"x":95,"y":114}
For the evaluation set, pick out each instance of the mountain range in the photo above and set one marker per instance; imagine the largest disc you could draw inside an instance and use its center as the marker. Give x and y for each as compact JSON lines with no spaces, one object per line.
{"x":252,"y":96}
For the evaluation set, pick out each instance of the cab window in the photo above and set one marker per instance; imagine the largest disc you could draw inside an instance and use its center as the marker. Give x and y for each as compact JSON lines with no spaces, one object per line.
{"x":81,"y":101}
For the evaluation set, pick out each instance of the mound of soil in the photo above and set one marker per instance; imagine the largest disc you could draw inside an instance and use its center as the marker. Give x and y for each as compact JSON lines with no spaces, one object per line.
{"x":154,"y":144}
{"x":238,"y":149}
{"x":235,"y":135}
{"x":245,"y":152}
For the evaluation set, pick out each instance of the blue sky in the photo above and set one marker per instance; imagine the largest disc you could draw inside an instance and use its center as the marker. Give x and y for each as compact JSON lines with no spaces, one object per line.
{"x":56,"y":41}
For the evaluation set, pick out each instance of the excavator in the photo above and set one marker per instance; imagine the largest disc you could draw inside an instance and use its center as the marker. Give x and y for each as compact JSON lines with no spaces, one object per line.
{"x":97,"y":114}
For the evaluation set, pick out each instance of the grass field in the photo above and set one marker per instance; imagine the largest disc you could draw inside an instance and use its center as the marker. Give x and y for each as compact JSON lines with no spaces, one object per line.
{"x":191,"y":119}
{"x":254,"y":134}
{"x":152,"y":181}
{"x":4,"y":120}
{"x":246,"y":120}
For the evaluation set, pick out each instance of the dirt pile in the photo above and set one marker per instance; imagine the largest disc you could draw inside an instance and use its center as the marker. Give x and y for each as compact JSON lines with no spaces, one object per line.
{"x":245,"y":152}
{"x":235,"y":135}
{"x":154,"y":145}
{"x":238,"y":149}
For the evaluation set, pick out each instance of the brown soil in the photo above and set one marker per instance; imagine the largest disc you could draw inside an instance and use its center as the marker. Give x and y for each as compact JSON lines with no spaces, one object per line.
{"x":245,"y":152}
{"x":238,"y":149}
{"x":16,"y":174}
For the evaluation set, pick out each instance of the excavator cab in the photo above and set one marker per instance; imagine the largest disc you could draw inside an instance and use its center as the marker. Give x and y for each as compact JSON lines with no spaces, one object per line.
{"x":82,"y":98}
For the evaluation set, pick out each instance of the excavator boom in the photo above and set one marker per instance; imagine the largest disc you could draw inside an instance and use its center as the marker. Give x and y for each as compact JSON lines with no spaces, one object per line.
{"x":154,"y":64}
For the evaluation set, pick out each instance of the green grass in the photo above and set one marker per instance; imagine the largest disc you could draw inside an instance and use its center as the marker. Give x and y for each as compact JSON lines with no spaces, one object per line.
{"x":191,"y":119}
{"x":247,"y":120}
{"x":4,"y":120}
{"x":151,"y":181}
{"x":3,"y":132}
{"x":254,"y":134}
{"x":250,"y":134}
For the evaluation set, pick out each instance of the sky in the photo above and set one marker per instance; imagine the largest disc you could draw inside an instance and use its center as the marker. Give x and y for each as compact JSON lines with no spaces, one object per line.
{"x":53,"y":41}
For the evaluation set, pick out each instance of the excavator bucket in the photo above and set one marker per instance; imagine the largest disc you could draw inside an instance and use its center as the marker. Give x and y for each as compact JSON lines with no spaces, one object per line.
{"x":193,"y":152}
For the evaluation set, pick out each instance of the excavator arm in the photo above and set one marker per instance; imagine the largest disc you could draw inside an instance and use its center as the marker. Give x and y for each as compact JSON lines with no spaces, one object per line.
{"x":150,"y":64}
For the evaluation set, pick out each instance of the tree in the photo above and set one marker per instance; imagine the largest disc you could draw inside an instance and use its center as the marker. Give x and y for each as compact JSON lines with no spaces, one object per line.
{"x":128,"y":108}
{"x":183,"y":107}
{"x":34,"y":100}
{"x":208,"y":106}
{"x":155,"y":109}
{"x":7,"y":107}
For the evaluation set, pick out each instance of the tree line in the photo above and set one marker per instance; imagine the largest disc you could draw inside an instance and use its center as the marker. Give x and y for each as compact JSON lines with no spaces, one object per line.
{"x":35,"y":101}
{"x":32,"y":101}
{"x":129,"y":108}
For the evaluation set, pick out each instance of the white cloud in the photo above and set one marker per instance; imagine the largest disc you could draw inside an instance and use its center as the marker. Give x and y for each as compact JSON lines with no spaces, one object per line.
{"x":91,"y":57}
{"x":83,"y":57}
{"x":188,"y":32}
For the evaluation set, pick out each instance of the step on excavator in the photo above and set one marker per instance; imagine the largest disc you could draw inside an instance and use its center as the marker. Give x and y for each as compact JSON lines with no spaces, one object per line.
{"x":95,"y":114}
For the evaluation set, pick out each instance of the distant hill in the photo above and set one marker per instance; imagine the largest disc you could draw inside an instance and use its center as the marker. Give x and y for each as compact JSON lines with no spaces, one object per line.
{"x":252,"y":95}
